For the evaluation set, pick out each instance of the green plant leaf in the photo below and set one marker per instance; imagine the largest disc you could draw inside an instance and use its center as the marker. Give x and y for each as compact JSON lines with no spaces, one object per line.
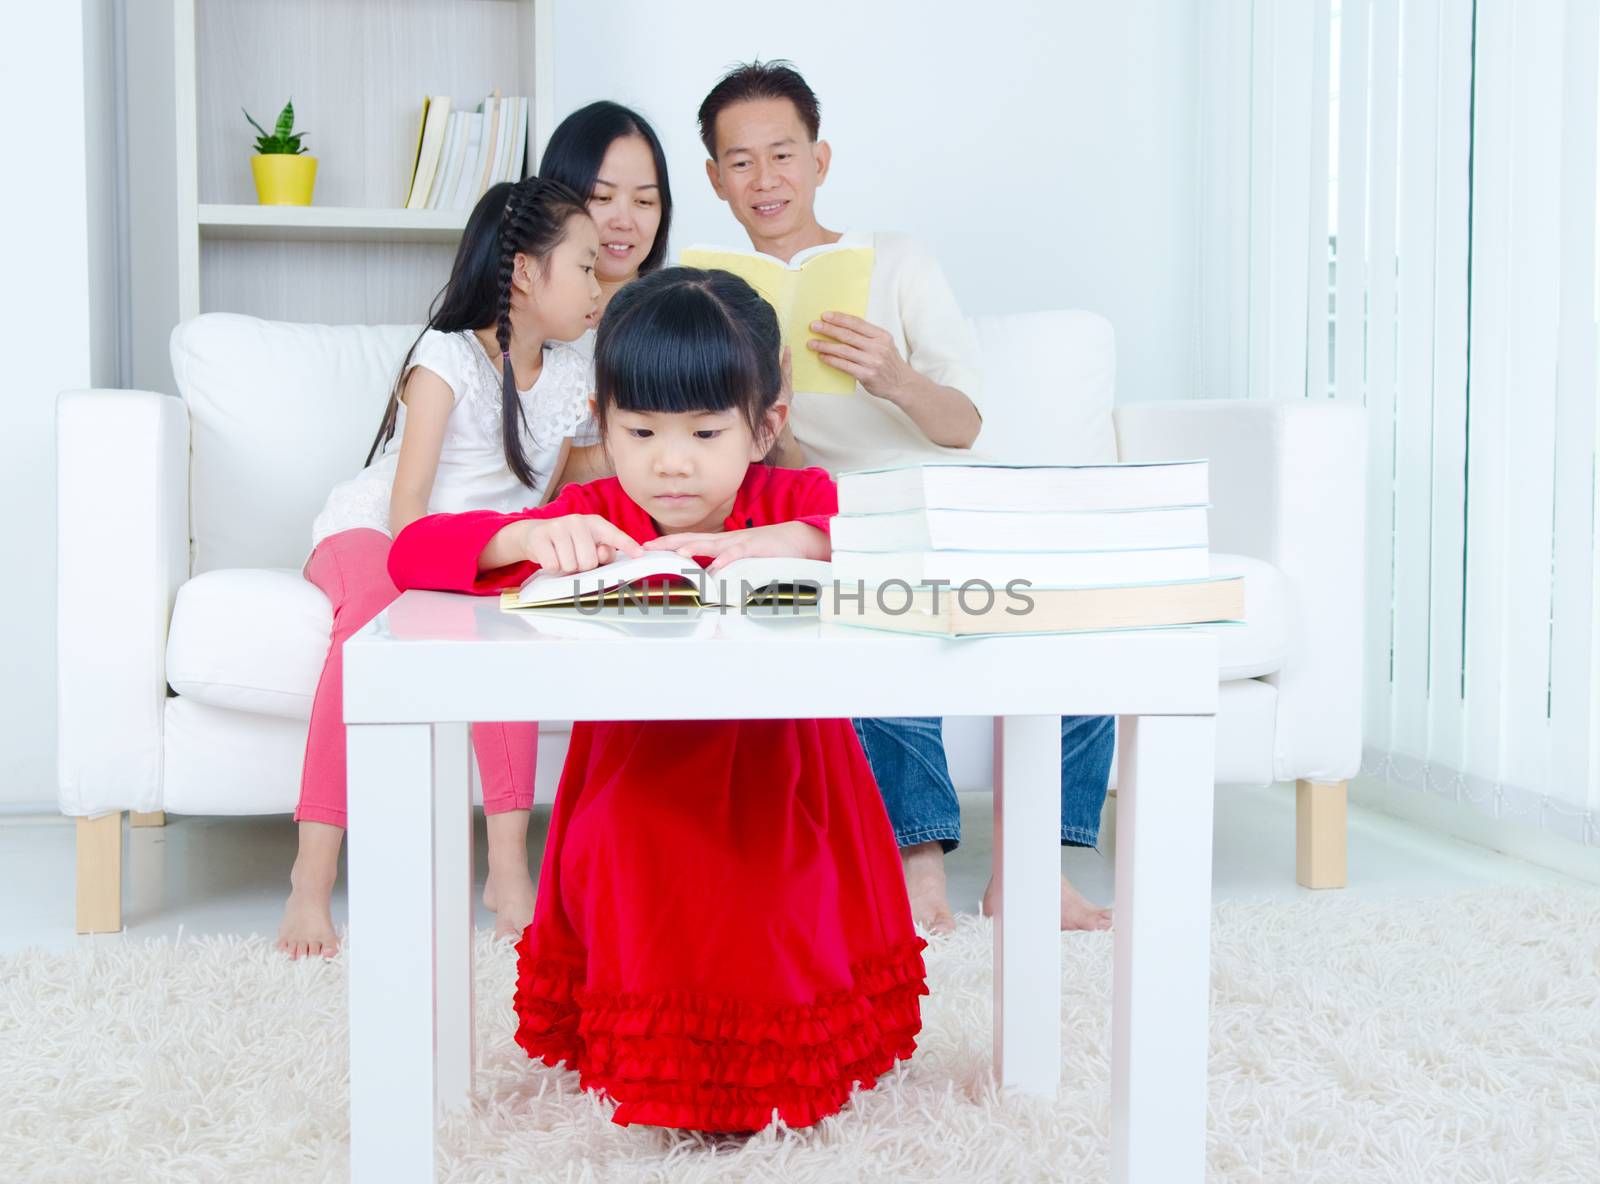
{"x":255,"y":125}
{"x":286,"y":120}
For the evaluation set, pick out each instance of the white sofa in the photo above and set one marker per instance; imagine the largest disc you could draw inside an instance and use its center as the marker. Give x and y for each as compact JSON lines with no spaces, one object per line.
{"x":190,"y":644}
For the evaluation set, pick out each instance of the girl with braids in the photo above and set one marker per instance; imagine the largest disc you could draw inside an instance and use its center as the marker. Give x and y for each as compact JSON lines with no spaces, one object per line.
{"x":722,"y":934}
{"x":482,"y":416}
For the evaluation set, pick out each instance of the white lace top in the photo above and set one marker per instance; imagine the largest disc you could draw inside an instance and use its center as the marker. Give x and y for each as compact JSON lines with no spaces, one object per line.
{"x":472,"y":473}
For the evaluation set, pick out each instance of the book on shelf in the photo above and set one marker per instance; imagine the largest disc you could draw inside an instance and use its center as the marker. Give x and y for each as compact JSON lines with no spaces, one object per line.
{"x":947,"y":613}
{"x":466,"y":180}
{"x":461,"y":153}
{"x":506,"y":127}
{"x":430,"y":144}
{"x":834,"y":277}
{"x":485,"y":167}
{"x":1044,"y":530}
{"x":665,"y":577}
{"x":1025,"y":488}
{"x":449,"y":164}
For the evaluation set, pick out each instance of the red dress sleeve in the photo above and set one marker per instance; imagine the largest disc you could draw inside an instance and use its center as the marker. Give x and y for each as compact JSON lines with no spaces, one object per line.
{"x":795,"y":495}
{"x":441,"y":551}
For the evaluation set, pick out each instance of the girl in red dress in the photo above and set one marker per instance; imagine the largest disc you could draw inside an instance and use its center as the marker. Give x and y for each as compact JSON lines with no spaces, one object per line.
{"x":721,"y":934}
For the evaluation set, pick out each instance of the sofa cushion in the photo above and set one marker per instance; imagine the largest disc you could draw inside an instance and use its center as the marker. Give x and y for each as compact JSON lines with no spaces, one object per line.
{"x":279,"y":414}
{"x":1260,"y":645}
{"x":250,"y":639}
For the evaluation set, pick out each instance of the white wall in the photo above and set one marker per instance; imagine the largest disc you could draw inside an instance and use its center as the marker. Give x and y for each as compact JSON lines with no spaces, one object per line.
{"x":53,"y":306}
{"x":1046,"y":150}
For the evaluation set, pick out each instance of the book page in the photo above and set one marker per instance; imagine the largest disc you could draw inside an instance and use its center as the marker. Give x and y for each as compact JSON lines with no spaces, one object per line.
{"x":830,"y":281}
{"x":760,"y":572}
{"x":830,"y":278}
{"x":544,"y":588}
{"x":766,"y":275}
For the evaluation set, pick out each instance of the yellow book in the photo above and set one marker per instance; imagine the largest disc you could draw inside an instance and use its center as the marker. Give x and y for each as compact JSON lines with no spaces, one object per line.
{"x":430,"y":141}
{"x":835,"y":277}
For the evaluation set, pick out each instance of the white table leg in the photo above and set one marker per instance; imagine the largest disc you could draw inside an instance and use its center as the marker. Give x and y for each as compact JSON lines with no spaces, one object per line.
{"x":393,"y":1074}
{"x":1027,"y":927}
{"x":1162,"y":960}
{"x":452,"y":904}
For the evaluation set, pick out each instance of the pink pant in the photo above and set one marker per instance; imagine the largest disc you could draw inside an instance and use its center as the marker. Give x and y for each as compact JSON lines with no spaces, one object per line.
{"x":351,"y":568}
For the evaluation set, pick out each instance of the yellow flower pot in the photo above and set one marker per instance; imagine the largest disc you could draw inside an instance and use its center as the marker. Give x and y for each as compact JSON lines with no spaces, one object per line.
{"x":284,"y":180}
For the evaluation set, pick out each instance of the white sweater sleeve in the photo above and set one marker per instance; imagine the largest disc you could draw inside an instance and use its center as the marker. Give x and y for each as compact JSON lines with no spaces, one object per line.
{"x":940,"y":343}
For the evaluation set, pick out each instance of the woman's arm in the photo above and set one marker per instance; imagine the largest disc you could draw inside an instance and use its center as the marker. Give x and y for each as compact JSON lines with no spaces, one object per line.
{"x":428,"y":401}
{"x":585,"y":463}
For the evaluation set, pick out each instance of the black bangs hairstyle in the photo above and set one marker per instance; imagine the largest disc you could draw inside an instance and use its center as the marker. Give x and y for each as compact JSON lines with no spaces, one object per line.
{"x":578,"y":148}
{"x":526,"y":218}
{"x":684,"y":339}
{"x":759,"y":80}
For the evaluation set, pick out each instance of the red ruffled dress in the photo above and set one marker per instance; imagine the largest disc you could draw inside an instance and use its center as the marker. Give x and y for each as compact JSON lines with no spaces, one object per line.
{"x":721,"y":933}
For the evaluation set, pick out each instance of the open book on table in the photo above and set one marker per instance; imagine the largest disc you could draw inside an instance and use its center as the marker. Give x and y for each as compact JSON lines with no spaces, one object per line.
{"x":663,"y":577}
{"x":834,"y":277}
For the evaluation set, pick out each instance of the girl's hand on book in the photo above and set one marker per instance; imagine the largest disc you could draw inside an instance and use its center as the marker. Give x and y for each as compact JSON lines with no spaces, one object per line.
{"x":784,"y":540}
{"x":575,"y":542}
{"x":862,"y":350}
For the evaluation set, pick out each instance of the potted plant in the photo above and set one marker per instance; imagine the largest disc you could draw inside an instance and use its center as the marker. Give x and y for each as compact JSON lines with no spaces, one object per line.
{"x":284,"y":174}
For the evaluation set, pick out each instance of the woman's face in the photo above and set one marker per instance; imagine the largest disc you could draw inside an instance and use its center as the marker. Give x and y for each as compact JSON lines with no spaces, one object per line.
{"x":626,"y":207}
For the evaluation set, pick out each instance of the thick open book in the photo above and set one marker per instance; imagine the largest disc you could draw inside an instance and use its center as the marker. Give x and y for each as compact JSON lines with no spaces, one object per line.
{"x":1024,"y":488}
{"x":835,"y":277}
{"x":1044,"y":610}
{"x":659,"y":577}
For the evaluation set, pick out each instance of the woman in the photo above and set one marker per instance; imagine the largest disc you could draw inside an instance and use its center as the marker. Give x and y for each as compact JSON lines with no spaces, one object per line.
{"x":610,"y":157}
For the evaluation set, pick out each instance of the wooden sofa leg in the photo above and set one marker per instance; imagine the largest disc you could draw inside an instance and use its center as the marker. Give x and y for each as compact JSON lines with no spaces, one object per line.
{"x":100,"y":874}
{"x":1320,"y":840}
{"x":155,"y":818}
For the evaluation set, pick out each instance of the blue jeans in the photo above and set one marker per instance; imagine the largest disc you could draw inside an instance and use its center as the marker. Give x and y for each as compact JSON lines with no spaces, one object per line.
{"x":907,"y":758}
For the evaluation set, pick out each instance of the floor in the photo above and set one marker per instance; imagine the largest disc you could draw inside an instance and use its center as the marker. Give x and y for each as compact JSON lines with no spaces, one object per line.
{"x":230,"y":875}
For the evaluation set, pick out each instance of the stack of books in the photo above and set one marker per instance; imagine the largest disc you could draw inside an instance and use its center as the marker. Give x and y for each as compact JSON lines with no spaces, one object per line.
{"x":970,"y":549}
{"x":460,"y":153}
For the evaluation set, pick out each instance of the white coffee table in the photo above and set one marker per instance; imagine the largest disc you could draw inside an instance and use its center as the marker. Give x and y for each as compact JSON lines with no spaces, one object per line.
{"x":433,"y":661}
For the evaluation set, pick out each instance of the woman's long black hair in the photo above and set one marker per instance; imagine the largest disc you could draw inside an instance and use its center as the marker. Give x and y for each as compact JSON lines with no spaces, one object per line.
{"x":578,"y":146}
{"x":685,"y":339}
{"x":526,"y":218}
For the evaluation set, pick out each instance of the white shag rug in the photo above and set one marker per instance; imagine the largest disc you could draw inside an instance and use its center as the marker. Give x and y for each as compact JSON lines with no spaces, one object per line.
{"x":1455,"y":1039}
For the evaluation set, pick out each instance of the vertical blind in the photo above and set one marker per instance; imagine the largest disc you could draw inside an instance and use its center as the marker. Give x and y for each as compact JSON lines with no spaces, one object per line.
{"x":1420,"y":238}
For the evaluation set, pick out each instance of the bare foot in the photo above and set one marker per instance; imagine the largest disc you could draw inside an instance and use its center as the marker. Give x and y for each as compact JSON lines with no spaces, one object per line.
{"x":307,"y":928}
{"x":1077,"y":912}
{"x":925,"y":885}
{"x":508,"y":893}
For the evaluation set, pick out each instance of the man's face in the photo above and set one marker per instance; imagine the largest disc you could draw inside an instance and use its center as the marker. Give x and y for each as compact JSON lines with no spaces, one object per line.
{"x":767,"y":169}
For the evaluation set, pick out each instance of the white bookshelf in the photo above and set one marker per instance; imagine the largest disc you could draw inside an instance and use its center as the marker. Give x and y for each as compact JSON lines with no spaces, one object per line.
{"x":357,"y":71}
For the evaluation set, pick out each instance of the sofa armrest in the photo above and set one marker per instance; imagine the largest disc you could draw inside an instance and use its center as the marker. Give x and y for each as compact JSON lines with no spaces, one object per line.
{"x":1288,"y":485}
{"x":122,"y":545}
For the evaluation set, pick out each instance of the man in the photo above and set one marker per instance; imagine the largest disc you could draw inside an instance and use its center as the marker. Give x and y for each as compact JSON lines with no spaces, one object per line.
{"x":915,"y":361}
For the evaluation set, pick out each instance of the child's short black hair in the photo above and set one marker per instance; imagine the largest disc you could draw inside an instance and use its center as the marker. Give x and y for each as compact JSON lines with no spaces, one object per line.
{"x":683,"y":339}
{"x":759,"y":80}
